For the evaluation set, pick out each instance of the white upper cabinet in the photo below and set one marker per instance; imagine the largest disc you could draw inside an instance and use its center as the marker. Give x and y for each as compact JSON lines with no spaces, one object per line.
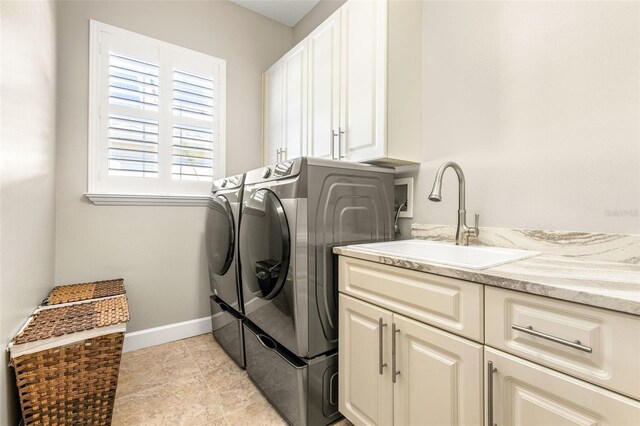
{"x":363,"y":71}
{"x":295,"y":103}
{"x":285,"y":107}
{"x":273,"y":118}
{"x":363,"y":96}
{"x":324,"y":88}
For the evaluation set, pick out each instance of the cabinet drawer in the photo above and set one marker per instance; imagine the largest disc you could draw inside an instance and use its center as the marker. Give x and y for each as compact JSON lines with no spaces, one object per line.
{"x":447,"y":303}
{"x":519,"y":392}
{"x":547,"y":331}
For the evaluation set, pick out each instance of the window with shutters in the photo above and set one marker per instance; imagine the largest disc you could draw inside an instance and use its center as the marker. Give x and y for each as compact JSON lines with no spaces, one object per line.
{"x":157,"y":116}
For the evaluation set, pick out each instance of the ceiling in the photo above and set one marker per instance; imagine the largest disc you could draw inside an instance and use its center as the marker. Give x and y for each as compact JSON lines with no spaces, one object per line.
{"x":287,"y":12}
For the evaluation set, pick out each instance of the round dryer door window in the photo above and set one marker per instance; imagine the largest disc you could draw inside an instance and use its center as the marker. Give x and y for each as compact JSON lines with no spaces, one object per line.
{"x":264,"y":244}
{"x":220,"y":235}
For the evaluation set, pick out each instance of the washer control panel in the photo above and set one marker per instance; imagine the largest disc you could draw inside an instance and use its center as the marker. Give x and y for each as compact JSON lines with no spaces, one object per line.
{"x":283,"y":169}
{"x":227,"y":183}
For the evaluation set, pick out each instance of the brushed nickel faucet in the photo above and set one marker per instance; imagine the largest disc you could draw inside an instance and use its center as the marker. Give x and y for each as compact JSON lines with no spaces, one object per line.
{"x":463,"y":232}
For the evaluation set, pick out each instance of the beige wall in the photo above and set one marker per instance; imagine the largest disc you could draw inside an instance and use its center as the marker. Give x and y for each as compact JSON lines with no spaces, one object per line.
{"x":539,"y":102}
{"x":158,"y":250}
{"x":27,"y":172}
{"x":315,"y":17}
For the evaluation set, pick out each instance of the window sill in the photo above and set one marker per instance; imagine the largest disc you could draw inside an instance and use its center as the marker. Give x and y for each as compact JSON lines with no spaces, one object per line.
{"x":148,"y":200}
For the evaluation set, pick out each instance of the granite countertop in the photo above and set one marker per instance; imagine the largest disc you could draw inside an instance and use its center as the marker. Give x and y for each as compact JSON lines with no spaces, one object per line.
{"x":603,"y":284}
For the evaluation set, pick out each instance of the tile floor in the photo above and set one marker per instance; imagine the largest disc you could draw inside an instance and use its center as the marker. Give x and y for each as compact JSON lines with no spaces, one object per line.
{"x":189,"y":382}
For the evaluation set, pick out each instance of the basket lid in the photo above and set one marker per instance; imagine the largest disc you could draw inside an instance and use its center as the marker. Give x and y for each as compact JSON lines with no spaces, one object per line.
{"x":57,"y":326}
{"x":85,"y":291}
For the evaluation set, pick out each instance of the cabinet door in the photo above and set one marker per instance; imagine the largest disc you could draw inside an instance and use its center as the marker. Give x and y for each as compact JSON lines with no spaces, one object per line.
{"x":295,"y":102}
{"x":365,"y":396}
{"x":273,"y":113}
{"x":363,"y":82}
{"x":440,"y":377}
{"x":324,"y":88}
{"x":525,"y":393}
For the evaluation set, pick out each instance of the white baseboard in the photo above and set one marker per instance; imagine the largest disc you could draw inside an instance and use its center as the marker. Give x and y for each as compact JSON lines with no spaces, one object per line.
{"x":166,"y":333}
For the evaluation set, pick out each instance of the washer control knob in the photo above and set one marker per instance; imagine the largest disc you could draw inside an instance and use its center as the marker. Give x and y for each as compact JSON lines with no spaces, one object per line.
{"x":224,"y":184}
{"x":266,"y":172}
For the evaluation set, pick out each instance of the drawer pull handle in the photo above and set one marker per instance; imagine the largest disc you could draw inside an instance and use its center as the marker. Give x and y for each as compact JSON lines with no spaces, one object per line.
{"x":575,"y":344}
{"x":381,"y":363}
{"x":490,"y":370}
{"x":394,"y":362}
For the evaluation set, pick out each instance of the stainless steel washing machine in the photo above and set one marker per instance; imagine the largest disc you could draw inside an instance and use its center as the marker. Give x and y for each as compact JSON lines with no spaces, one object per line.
{"x":293,"y":214}
{"x":221,"y":246}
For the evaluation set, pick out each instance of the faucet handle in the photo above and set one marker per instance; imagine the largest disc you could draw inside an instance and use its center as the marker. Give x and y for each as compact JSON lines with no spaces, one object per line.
{"x":476,"y":228}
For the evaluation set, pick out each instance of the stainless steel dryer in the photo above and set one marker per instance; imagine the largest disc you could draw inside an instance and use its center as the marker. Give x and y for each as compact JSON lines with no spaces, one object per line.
{"x":293,"y":215}
{"x":221,"y":246}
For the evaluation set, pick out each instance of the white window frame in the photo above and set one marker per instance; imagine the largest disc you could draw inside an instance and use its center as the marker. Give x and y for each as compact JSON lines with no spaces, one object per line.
{"x":115,"y":190}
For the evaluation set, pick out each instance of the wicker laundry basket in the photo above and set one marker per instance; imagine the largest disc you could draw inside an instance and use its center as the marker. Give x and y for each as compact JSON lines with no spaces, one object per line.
{"x":66,"y":361}
{"x":84,"y":291}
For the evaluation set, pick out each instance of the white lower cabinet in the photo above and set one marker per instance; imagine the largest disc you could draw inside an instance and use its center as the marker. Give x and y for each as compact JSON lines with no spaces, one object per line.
{"x":395,"y":369}
{"x":365,"y":392}
{"x":519,"y":392}
{"x":545,"y":331}
{"x":437,"y":380}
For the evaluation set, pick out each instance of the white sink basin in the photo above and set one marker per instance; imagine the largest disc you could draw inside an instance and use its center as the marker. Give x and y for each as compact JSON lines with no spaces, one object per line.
{"x":471,"y":257}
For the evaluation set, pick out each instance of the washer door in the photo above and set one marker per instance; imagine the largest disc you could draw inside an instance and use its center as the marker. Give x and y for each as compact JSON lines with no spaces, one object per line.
{"x":264,"y":244}
{"x":220,"y":235}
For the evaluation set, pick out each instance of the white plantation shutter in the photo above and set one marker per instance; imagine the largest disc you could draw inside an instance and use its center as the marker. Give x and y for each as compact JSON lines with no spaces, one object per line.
{"x":192,"y":153}
{"x":133,"y":146}
{"x":192,"y":96}
{"x":193,"y":144}
{"x":133,"y":140}
{"x":133,"y":83}
{"x":157,"y":116}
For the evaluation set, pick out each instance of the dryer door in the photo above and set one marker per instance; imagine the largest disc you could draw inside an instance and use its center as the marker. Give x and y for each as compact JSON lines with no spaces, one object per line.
{"x":220,"y":235}
{"x":264,"y":245}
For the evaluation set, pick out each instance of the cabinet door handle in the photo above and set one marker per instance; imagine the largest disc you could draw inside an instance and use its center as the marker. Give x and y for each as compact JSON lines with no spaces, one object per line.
{"x":575,"y":344}
{"x":394,"y":362}
{"x":340,"y":133}
{"x":283,"y":151}
{"x":334,"y":135}
{"x":490,"y":371}
{"x":381,"y":363}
